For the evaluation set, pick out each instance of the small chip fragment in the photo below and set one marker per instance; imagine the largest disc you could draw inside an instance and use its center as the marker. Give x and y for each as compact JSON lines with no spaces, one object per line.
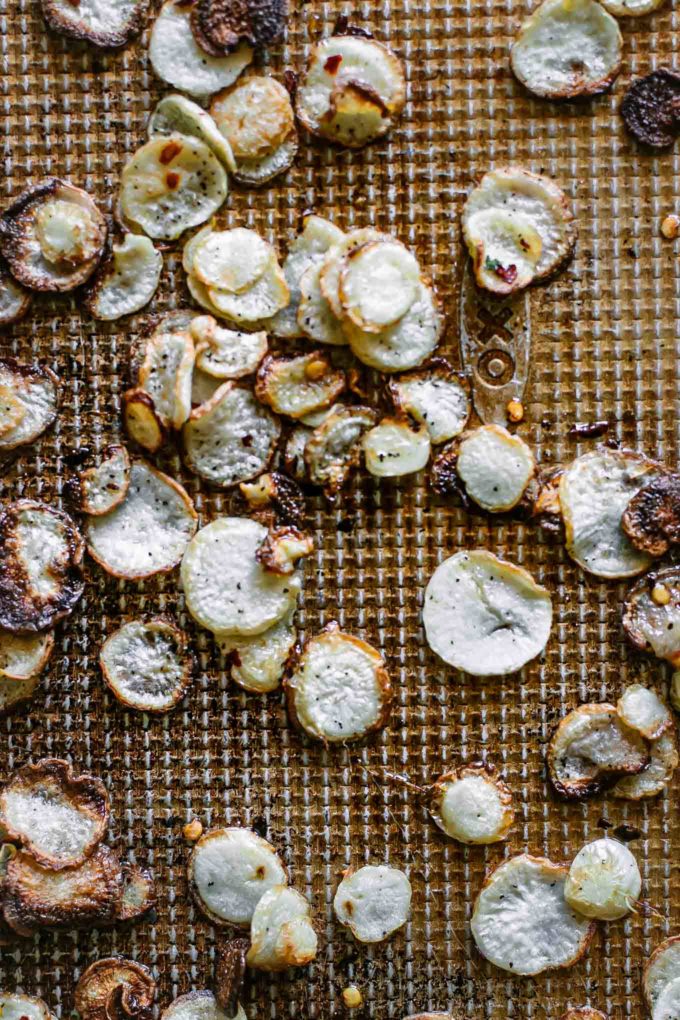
{"x":166,"y":374}
{"x":396,"y":447}
{"x":147,"y":665}
{"x":652,"y":518}
{"x":434,"y":396}
{"x":108,"y":24}
{"x":662,"y":967}
{"x":282,"y":934}
{"x":316,"y":238}
{"x":297,"y":385}
{"x":105,"y":486}
{"x":279,"y":492}
{"x":283,"y":548}
{"x":378,"y":284}
{"x":651,"y":622}
{"x":138,"y":894}
{"x":254,"y":115}
{"x":522,"y":922}
{"x":199,"y":1006}
{"x":373,"y":902}
{"x":604,"y":881}
{"x":258,"y":663}
{"x":177,"y":115}
{"x":114,"y":988}
{"x":230,"y":870}
{"x":29,"y":401}
{"x":495,"y":467}
{"x":23,"y":656}
{"x":127,"y":280}
{"x":642,"y":709}
{"x":408,"y":343}
{"x":651,"y":108}
{"x":15,"y":300}
{"x":655,"y":778}
{"x":472,"y":806}
{"x":141,"y":421}
{"x":484,"y":615}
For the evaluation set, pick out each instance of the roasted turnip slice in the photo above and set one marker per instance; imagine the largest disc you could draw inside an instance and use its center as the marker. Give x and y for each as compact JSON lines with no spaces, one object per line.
{"x":652,"y":518}
{"x":408,"y":343}
{"x":108,"y":24}
{"x":373,"y":902}
{"x":300,"y":384}
{"x":495,"y":467}
{"x":254,"y":115}
{"x":316,"y":319}
{"x":142,"y":423}
{"x":259,"y":171}
{"x":138,"y":894}
{"x":654,"y":779}
{"x":435,"y":397}
{"x":334,"y":447}
{"x":127,"y":280}
{"x":396,"y":447}
{"x":15,"y":300}
{"x":258,"y":663}
{"x":30,"y":398}
{"x":309,"y":248}
{"x":279,"y":492}
{"x":23,"y":656}
{"x":642,"y":709}
{"x":472,"y":806}
{"x":505,"y":249}
{"x":220,"y":25}
{"x":114,"y":988}
{"x":662,"y":968}
{"x":147,"y":665}
{"x":178,"y":115}
{"x":283,"y":548}
{"x":604,"y":881}
{"x":199,"y":1006}
{"x":651,"y":617}
{"x":251,"y":307}
{"x":281,"y":931}
{"x":378,"y":284}
{"x":105,"y":486}
{"x":166,"y":373}
{"x":231,"y":260}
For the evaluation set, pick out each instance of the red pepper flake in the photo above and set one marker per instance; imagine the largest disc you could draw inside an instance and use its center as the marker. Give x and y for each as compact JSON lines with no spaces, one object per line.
{"x":507,"y":273}
{"x":172,"y":180}
{"x":169,"y":151}
{"x":333,"y":63}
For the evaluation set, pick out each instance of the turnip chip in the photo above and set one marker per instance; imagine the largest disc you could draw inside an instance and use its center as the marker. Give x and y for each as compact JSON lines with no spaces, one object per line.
{"x":484,"y":615}
{"x":495,"y":467}
{"x":396,"y":447}
{"x":105,"y":486}
{"x":38,"y":899}
{"x":631,"y":8}
{"x":141,"y":421}
{"x":41,"y":554}
{"x":138,"y":894}
{"x":30,"y":398}
{"x":226,"y":353}
{"x":567,"y":48}
{"x":654,"y":779}
{"x":652,"y":518}
{"x":309,"y":248}
{"x":226,"y":588}
{"x":230,"y":870}
{"x":472,"y":806}
{"x":166,"y":374}
{"x":334,"y":262}
{"x":641,"y":709}
{"x":148,"y":532}
{"x":177,"y":58}
{"x":52,"y":236}
{"x":23,"y":1007}
{"x":604,"y":881}
{"x":127,"y":281}
{"x":591,"y":748}
{"x":199,"y":1006}
{"x":109,"y":24}
{"x":113,"y":988}
{"x":177,"y":115}
{"x":522,"y":922}
{"x":282,"y":934}
{"x":408,"y":343}
{"x":231,"y":260}
{"x":435,"y":397}
{"x":231,"y":438}
{"x":258,"y":663}
{"x":595,"y":489}
{"x":15,"y":300}
{"x":171,"y":185}
{"x":378,"y":284}
{"x":334,"y":447}
{"x":505,"y":250}
{"x":668,"y":1003}
{"x":316,"y":319}
{"x":229,"y":972}
{"x":56,"y":815}
{"x":14,"y":693}
{"x":373,"y":902}
{"x":651,"y":617}
{"x":296,"y":385}
{"x":147,"y":665}
{"x":264,"y":299}
{"x":222,"y":24}
{"x":254,"y":115}
{"x":536,"y":202}
{"x":338,"y":689}
{"x":23,"y":656}
{"x":662,"y":968}
{"x":352,"y":90}
{"x":259,"y":171}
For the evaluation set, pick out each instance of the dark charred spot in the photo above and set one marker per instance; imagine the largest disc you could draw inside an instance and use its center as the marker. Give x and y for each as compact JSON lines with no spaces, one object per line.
{"x":627,"y":833}
{"x":651,"y":108}
{"x":219,"y":26}
{"x":589,"y":429}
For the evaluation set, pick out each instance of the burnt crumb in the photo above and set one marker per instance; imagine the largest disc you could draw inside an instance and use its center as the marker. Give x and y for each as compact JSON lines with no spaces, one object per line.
{"x":230,"y":973}
{"x":260,"y":827}
{"x":627,"y":833}
{"x":343,"y":27}
{"x":346,"y":525}
{"x":652,"y":518}
{"x":589,"y":429}
{"x":604,"y":823}
{"x":651,"y":108}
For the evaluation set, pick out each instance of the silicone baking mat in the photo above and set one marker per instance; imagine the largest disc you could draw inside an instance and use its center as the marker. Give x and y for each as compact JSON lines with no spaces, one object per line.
{"x":605,"y":347}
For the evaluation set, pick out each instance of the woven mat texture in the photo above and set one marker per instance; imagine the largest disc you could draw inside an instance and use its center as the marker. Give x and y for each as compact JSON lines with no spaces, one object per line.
{"x":605,"y":346}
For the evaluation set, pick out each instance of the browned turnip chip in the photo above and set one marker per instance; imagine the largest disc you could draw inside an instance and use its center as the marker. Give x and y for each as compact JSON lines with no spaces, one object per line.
{"x":505,"y":249}
{"x":258,"y":663}
{"x":373,"y":902}
{"x":435,"y":396}
{"x":250,"y":307}
{"x":141,"y":421}
{"x":23,"y":1007}
{"x":222,"y":24}
{"x":334,"y":448}
{"x":105,"y":486}
{"x":127,"y":280}
{"x":334,"y":261}
{"x":259,"y":171}
{"x":203,"y":387}
{"x":283,"y":548}
{"x":604,"y":881}
{"x":281,"y":932}
{"x":315,"y":317}
{"x":662,"y":968}
{"x":226,"y":353}
{"x":147,"y":665}
{"x":296,"y":385}
{"x":29,"y":402}
{"x":23,"y":656}
{"x":109,"y":24}
{"x":396,"y":447}
{"x":15,"y":300}
{"x":199,"y":1006}
{"x":231,"y":260}
{"x":652,"y":518}
{"x":114,"y":988}
{"x":254,"y":115}
{"x":642,"y":709}
{"x":278,"y":491}
{"x":651,"y":617}
{"x":378,"y":284}
{"x":472,"y":806}
{"x":654,"y":779}
{"x":230,"y":972}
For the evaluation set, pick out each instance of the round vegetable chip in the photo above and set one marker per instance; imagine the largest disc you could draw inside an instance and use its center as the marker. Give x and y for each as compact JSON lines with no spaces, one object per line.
{"x":334,"y":263}
{"x":165,"y":374}
{"x":522,"y":922}
{"x":225,"y":586}
{"x":231,"y":260}
{"x":533,"y":200}
{"x":281,"y":932}
{"x":109,"y":24}
{"x":653,"y":779}
{"x":631,"y":8}
{"x":317,"y":237}
{"x":567,"y":48}
{"x":114,"y":982}
{"x":226,"y":353}
{"x":221,"y":24}
{"x":147,"y":665}
{"x":604,"y":881}
{"x":435,"y":397}
{"x":334,"y":447}
{"x":141,"y":421}
{"x":298,"y":385}
{"x":263,"y":299}
{"x":23,"y":656}
{"x":262,"y":169}
{"x":41,"y":553}
{"x":23,"y":1007}
{"x":230,"y":870}
{"x":352,"y":90}
{"x":316,"y":319}
{"x":127,"y":281}
{"x":373,"y":902}
{"x":170,"y":185}
{"x":643,"y":710}
{"x":29,"y":398}
{"x":177,"y":115}
{"x":662,"y":967}
{"x":505,"y":250}
{"x":15,"y":300}
{"x":199,"y":1006}
{"x":59,"y":817}
{"x":472,"y":806}
{"x":484,"y":615}
{"x":258,"y":663}
{"x":591,"y":748}
{"x":495,"y":467}
{"x":594,"y":492}
{"x":408,"y":343}
{"x":254,"y":115}
{"x":231,"y":438}
{"x":652,"y":518}
{"x":148,"y":532}
{"x":396,"y":447}
{"x":650,"y":108}
{"x":339,"y":688}
{"x":177,"y":58}
{"x":651,"y":617}
{"x":105,"y":486}
{"x":378,"y":284}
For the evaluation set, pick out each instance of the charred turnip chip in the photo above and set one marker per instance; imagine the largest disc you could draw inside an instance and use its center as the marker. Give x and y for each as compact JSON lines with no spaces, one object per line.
{"x":339,"y":688}
{"x":226,"y":588}
{"x":84,"y":896}
{"x":495,"y":467}
{"x":141,"y":421}
{"x":105,"y":486}
{"x":23,"y":1007}
{"x":654,"y":779}
{"x":281,"y":932}
{"x":352,"y":90}
{"x":254,"y":115}
{"x":23,"y":656}
{"x":334,"y":447}
{"x":171,"y":185}
{"x":231,"y":438}
{"x":642,"y":709}
{"x":127,"y":281}
{"x":298,"y":385}
{"x":373,"y":902}
{"x":52,"y":236}
{"x":258,"y":663}
{"x":114,"y":988}
{"x":309,"y":248}
{"x":604,"y":881}
{"x":199,"y":1006}
{"x":148,"y":532}
{"x":263,"y":169}
{"x":222,"y":24}
{"x":662,"y":967}
{"x":138,"y":894}
{"x":15,"y":300}
{"x":40,"y":566}
{"x":30,"y":398}
{"x":231,"y":260}
{"x":505,"y":250}
{"x":378,"y":284}
{"x":472,"y":806}
{"x":230,"y":870}
{"x":265,"y":298}
{"x":652,"y":518}
{"x":594,"y":491}
{"x":177,"y":115}
{"x":408,"y":343}
{"x":651,"y":617}
{"x":522,"y":922}
{"x":316,"y":319}
{"x":591,"y":748}
{"x":283,"y":548}
{"x":649,"y":108}
{"x":536,"y":200}
{"x":278,"y":491}
{"x":166,"y":375}
{"x":109,"y":24}
{"x":435,"y":397}
{"x":226,"y":353}
{"x":484,"y":615}
{"x":396,"y":447}
{"x":147,"y":665}
{"x":177,"y":58}
{"x":59,"y":817}
{"x":567,"y":48}
{"x":16,"y":692}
